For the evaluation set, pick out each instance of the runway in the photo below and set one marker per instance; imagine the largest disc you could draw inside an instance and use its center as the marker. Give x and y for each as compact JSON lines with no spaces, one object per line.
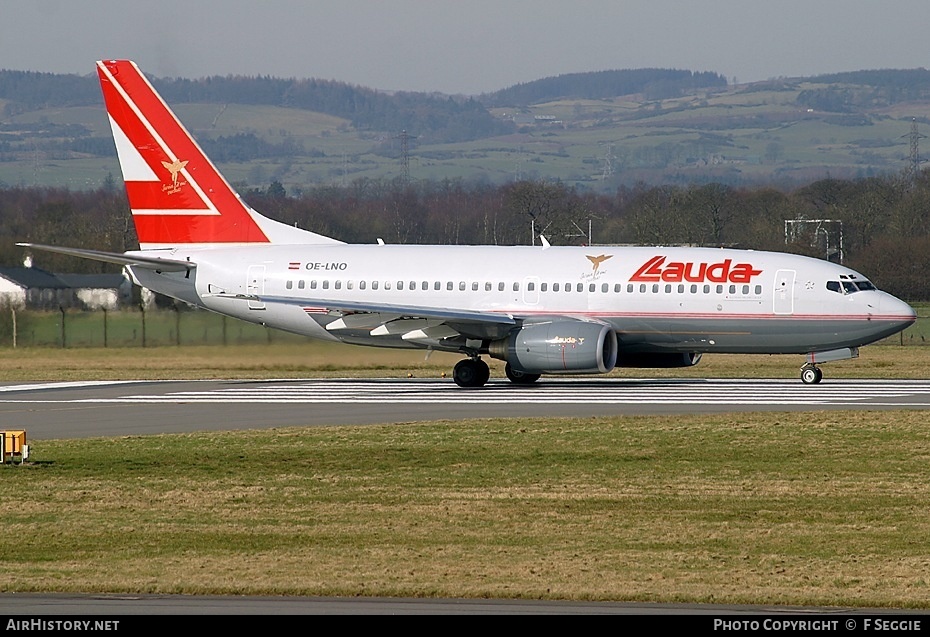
{"x":115,"y":408}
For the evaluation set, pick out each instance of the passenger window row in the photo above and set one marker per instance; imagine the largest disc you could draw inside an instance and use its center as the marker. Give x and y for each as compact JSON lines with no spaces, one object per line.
{"x":531,"y":286}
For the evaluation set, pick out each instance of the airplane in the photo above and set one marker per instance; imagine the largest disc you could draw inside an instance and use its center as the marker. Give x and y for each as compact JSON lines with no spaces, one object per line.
{"x":541,"y":309}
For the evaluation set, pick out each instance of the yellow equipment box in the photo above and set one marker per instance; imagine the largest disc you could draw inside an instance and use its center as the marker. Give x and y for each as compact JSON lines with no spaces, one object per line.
{"x":13,"y":443}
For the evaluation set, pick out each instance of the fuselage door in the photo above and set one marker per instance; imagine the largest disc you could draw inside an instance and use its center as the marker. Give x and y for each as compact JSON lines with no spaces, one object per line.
{"x":531,"y":290}
{"x":255,"y":284}
{"x":784,"y":292}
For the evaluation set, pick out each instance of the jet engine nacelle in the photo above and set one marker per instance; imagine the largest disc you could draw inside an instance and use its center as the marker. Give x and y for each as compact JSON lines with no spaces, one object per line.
{"x":558,"y":347}
{"x":659,"y":359}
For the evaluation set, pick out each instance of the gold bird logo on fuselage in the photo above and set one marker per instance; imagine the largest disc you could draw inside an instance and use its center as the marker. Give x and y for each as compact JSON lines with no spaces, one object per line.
{"x":598,"y":260}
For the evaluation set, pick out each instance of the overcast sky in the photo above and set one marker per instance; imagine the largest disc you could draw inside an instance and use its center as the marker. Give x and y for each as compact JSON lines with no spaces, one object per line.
{"x":464,"y":46}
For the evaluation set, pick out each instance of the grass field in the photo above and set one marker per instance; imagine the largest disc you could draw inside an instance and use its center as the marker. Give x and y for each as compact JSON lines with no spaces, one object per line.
{"x":815,"y":508}
{"x":802,"y":508}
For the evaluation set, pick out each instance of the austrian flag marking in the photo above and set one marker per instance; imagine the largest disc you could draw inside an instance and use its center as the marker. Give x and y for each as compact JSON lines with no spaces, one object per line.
{"x":655,"y":269}
{"x":293,"y":265}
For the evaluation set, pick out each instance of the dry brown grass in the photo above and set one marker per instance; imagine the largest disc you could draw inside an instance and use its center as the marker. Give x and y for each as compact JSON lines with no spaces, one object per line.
{"x":310,"y":359}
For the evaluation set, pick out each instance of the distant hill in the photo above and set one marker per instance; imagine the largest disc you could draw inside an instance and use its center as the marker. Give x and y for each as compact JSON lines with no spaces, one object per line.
{"x":862,"y":90}
{"x":442,"y":118}
{"x":653,"y":84}
{"x":600,"y":130}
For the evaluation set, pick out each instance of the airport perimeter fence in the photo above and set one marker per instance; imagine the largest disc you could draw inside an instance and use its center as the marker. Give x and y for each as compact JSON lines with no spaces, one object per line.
{"x":131,"y":328}
{"x":166,"y":327}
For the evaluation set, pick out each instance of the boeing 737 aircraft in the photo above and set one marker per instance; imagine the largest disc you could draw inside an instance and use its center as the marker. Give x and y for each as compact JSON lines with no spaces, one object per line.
{"x":543,"y":310}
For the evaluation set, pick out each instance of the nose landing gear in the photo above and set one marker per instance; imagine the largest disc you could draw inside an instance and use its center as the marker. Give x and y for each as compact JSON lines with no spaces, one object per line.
{"x":811,"y":374}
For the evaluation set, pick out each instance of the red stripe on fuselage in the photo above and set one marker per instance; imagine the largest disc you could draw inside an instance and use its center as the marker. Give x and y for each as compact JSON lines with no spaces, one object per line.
{"x":232,"y":224}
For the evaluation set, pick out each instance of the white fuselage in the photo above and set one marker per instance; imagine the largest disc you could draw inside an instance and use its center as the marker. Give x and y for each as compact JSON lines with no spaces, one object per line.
{"x":655,"y":299}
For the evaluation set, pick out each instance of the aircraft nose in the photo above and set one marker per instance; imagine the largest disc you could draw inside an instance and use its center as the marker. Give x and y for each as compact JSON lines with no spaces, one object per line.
{"x":895,"y":308}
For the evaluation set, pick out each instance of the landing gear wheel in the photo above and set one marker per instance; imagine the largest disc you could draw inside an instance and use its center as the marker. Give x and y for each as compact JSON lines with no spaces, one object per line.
{"x":520,"y":378}
{"x":484,"y":370}
{"x":471,"y":373}
{"x":811,"y":375}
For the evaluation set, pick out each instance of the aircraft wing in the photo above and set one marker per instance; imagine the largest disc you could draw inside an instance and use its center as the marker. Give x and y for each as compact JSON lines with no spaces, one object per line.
{"x":124,"y":258}
{"x":411,"y":321}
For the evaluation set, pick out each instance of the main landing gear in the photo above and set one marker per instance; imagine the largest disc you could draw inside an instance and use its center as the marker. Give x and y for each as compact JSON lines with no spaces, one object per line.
{"x":474,"y":372}
{"x":471,"y":372}
{"x":520,"y":378}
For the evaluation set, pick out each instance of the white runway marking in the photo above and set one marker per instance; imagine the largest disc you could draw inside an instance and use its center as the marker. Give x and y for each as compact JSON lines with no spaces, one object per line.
{"x":856,"y":393}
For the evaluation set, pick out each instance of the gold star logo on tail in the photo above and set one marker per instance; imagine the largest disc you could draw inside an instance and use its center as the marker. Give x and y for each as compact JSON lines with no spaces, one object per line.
{"x":598,"y":260}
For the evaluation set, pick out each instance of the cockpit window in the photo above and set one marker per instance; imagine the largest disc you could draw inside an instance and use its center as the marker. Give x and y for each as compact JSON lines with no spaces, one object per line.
{"x":849,"y":287}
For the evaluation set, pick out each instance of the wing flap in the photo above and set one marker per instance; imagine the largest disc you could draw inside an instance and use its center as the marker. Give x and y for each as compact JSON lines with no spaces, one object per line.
{"x":470,"y":323}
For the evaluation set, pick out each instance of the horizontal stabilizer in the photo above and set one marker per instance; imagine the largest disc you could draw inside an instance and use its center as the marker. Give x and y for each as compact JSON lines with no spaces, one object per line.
{"x":125,"y":258}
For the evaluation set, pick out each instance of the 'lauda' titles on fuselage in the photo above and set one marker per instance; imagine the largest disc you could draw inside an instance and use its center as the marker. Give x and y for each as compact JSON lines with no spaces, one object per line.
{"x":655,"y":269}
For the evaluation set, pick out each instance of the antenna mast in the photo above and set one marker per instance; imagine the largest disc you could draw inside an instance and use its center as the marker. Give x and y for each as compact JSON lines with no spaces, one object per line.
{"x":913,"y":159}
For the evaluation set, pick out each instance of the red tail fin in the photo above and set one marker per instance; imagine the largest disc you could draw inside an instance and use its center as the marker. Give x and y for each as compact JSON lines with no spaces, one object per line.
{"x":176,"y":194}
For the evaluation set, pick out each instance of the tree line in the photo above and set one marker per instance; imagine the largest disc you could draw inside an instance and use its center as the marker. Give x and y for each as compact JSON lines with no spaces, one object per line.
{"x":878,"y":225}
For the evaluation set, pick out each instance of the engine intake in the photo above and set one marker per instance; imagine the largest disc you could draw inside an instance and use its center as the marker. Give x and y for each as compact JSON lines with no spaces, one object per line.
{"x":558,"y":347}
